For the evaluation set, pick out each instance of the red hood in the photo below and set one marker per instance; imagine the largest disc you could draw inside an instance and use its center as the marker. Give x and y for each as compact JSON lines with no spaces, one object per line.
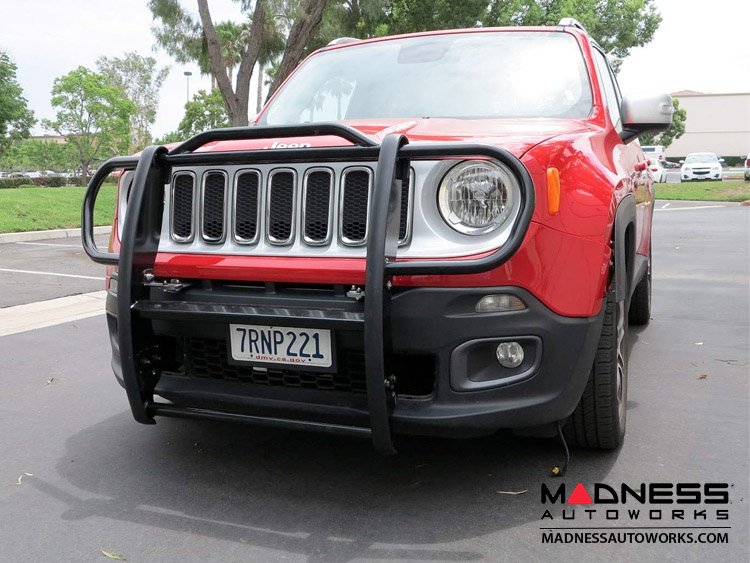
{"x":514,"y":135}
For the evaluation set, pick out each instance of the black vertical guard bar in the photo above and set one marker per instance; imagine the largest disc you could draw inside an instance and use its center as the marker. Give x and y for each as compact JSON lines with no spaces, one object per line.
{"x":382,"y":242}
{"x":140,"y":241}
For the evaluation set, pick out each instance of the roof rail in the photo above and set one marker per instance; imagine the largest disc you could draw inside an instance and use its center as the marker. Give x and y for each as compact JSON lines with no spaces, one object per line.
{"x":572,"y":22}
{"x":342,"y":40}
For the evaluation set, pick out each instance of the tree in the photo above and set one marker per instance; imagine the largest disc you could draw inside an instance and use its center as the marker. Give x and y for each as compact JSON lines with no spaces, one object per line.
{"x":92,"y":114}
{"x":675,"y":131}
{"x":183,"y":35}
{"x":204,"y":111}
{"x":139,"y":80}
{"x":34,"y":154}
{"x":616,"y":25}
{"x":16,"y":119}
{"x":407,"y":16}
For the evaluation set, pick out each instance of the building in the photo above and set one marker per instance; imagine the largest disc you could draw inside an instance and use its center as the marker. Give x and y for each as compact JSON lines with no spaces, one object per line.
{"x":59,"y":139}
{"x":717,"y":123}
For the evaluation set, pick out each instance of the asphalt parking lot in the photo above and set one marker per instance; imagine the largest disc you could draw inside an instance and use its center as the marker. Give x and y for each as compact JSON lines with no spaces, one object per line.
{"x":91,"y":479}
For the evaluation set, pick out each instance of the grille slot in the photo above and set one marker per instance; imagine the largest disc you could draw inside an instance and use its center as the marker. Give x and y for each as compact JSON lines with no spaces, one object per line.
{"x":317,"y":186}
{"x":281,"y":208}
{"x":246,"y":207}
{"x":183,"y":189}
{"x":214,"y":196}
{"x":356,"y":185}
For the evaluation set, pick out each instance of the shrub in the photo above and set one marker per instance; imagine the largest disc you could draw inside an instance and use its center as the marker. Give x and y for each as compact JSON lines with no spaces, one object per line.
{"x":12,"y":182}
{"x":57,"y":182}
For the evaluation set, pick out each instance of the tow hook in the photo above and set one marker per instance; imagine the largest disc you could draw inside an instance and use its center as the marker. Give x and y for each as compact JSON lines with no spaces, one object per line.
{"x":150,"y":360}
{"x":356,"y":293}
{"x":390,"y":385}
{"x":172,"y":286}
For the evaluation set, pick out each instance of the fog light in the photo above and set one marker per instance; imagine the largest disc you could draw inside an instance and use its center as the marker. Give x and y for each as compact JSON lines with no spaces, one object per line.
{"x":509,"y":354}
{"x":499,"y":303}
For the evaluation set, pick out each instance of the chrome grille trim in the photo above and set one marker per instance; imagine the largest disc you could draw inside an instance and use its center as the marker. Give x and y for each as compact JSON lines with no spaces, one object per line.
{"x":172,"y":233}
{"x":292,"y":211}
{"x":258,"y":206}
{"x":406,"y":238}
{"x":331,"y":189}
{"x":203,"y":215}
{"x":342,"y":205}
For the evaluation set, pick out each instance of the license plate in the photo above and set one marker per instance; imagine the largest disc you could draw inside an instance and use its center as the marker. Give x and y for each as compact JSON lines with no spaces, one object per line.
{"x":281,"y":345}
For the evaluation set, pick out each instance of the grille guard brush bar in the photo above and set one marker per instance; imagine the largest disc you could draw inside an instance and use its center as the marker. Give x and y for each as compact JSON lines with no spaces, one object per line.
{"x":142,"y":230}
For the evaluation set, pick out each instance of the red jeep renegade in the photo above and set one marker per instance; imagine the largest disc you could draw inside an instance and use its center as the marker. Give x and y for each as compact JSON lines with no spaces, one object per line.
{"x":443,"y":233}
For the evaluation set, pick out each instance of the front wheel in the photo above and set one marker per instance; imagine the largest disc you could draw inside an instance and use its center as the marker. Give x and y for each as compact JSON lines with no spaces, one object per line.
{"x":600,"y":417}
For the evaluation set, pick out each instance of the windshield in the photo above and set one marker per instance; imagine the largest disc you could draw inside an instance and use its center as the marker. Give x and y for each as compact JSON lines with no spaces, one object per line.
{"x":461,"y":75}
{"x":707,"y":157}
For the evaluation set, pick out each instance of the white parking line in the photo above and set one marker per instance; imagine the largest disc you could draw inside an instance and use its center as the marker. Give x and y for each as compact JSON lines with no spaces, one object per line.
{"x":692,"y":207}
{"x":665,"y":206}
{"x":51,"y":244}
{"x":51,"y":274}
{"x":22,"y":318}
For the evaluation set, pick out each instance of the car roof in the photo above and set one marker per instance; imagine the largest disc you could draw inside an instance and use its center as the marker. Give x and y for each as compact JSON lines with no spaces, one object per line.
{"x":515,"y":29}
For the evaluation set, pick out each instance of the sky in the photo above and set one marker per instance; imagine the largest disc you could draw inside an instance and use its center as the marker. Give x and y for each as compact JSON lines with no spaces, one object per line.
{"x":694,"y":48}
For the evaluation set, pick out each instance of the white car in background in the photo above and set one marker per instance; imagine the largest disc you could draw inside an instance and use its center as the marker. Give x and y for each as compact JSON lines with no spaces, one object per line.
{"x":657,"y":170}
{"x":701,"y":166}
{"x":654,"y":152}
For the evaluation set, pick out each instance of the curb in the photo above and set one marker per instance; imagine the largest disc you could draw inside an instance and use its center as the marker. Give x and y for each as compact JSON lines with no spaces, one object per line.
{"x":53,"y":234}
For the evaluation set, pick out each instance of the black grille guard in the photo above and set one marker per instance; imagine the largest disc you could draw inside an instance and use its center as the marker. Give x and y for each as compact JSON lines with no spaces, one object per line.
{"x":142,"y":229}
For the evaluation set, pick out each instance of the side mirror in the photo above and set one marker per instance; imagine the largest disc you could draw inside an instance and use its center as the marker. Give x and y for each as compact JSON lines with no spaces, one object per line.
{"x":721,"y":160}
{"x":645,"y":114}
{"x":682,"y":162}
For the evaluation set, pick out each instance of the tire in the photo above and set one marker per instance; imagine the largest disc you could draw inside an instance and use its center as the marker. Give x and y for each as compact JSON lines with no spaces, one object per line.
{"x":640,"y":305}
{"x":600,"y":418}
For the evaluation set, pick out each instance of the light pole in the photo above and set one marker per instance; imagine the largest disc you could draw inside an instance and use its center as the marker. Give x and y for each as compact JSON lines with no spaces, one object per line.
{"x":188,"y":74}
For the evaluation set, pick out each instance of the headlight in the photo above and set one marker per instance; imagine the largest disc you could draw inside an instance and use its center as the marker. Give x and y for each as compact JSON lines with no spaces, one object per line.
{"x":477,"y":196}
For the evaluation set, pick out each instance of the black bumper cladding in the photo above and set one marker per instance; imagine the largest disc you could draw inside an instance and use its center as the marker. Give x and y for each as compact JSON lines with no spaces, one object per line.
{"x":142,"y":230}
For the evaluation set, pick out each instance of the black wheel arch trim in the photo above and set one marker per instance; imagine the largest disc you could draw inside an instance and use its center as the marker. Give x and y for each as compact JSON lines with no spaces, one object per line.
{"x":624,"y":249}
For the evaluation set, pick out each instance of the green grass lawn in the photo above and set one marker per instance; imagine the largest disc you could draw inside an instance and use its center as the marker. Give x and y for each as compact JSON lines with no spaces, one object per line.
{"x":728,"y":190}
{"x":36,"y":209}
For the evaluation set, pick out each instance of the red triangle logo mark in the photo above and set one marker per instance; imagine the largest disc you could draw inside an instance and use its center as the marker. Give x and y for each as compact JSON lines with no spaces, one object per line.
{"x":579,"y":496}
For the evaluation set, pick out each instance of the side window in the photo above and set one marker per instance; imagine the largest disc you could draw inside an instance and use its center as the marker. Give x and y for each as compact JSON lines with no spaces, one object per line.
{"x":610,"y":91}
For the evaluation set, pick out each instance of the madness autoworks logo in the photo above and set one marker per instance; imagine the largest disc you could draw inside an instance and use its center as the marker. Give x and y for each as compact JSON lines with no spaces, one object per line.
{"x":674,"y":502}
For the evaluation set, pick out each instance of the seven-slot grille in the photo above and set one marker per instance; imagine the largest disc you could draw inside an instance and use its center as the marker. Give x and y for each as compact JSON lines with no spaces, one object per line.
{"x":271,"y":205}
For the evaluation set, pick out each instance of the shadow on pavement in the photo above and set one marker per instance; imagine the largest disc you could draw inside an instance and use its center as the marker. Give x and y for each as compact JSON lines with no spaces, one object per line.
{"x":329,"y":498}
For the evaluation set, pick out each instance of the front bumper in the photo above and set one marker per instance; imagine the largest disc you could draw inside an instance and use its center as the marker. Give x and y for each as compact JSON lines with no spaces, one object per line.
{"x":688,"y":175}
{"x":448,"y":380}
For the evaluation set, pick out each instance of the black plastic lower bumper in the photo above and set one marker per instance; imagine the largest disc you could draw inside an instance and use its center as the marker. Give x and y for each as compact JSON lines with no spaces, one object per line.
{"x":471,"y":394}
